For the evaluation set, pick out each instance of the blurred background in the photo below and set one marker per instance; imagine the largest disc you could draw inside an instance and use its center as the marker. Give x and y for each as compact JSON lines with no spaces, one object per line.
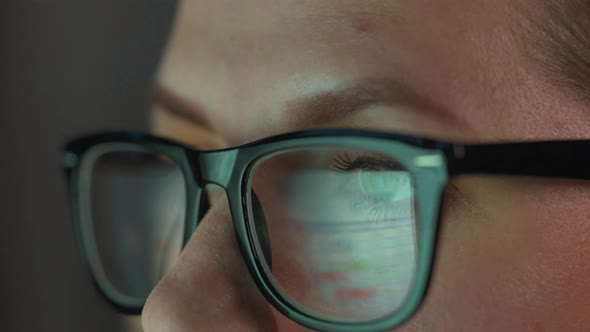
{"x":66,"y":68}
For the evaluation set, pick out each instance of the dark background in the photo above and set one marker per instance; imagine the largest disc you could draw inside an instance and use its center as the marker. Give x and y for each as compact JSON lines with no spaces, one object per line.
{"x":66,"y":68}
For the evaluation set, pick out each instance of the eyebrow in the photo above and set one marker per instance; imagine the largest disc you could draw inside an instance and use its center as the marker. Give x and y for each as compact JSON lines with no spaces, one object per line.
{"x":325,"y":107}
{"x":331,"y":106}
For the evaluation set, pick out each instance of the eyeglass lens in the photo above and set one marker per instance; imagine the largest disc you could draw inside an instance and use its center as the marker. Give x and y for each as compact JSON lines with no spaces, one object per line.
{"x":138,"y":204}
{"x":340,"y":229}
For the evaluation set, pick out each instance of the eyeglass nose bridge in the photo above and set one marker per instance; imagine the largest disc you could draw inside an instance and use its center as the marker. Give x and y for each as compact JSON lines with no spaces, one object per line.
{"x":214,"y":167}
{"x":207,"y":167}
{"x":217,"y":167}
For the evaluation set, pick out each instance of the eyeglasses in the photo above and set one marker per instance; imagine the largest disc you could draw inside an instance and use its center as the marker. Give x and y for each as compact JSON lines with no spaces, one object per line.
{"x":337,"y":227}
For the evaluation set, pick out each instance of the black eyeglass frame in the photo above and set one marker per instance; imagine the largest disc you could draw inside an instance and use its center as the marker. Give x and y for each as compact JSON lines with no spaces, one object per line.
{"x":432,"y":164}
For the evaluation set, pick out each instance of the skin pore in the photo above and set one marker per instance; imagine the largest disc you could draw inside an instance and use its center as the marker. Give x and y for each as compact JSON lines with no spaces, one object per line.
{"x":512,"y":252}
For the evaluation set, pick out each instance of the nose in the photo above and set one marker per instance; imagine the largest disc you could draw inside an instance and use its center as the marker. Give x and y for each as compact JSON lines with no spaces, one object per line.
{"x":209,"y":287}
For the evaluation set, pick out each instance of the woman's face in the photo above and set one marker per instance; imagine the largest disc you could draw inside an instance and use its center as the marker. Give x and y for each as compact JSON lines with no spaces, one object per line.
{"x":512,"y":253}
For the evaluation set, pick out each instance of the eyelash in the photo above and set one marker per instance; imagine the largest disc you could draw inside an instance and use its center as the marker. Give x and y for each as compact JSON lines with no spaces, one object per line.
{"x":345,"y":162}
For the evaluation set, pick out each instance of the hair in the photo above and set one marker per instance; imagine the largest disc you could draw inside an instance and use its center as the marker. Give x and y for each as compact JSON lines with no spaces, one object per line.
{"x":561,"y":49}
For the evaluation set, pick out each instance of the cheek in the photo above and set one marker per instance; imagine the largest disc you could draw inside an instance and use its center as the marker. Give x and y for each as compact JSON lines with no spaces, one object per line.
{"x":559,"y":227}
{"x":511,"y":256}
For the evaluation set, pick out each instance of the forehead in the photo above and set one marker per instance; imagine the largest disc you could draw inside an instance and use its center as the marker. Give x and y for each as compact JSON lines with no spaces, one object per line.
{"x":247,"y":59}
{"x":239,"y":35}
{"x":322,"y":20}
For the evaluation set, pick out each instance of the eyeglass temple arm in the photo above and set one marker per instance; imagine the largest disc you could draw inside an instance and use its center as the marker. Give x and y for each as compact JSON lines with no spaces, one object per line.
{"x":562,"y":159}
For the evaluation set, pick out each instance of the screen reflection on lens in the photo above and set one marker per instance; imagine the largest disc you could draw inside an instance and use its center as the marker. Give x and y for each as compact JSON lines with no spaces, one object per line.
{"x":342,"y":230}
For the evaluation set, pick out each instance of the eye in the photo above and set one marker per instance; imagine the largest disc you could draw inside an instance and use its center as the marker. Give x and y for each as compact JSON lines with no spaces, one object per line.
{"x":381,"y":179}
{"x":385,"y":185}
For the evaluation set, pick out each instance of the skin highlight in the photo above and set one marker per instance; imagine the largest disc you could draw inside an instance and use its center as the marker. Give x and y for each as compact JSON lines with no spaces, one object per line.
{"x":511,"y":251}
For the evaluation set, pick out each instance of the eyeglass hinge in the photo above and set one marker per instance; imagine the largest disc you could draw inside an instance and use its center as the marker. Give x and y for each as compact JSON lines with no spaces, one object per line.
{"x":459,"y":151}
